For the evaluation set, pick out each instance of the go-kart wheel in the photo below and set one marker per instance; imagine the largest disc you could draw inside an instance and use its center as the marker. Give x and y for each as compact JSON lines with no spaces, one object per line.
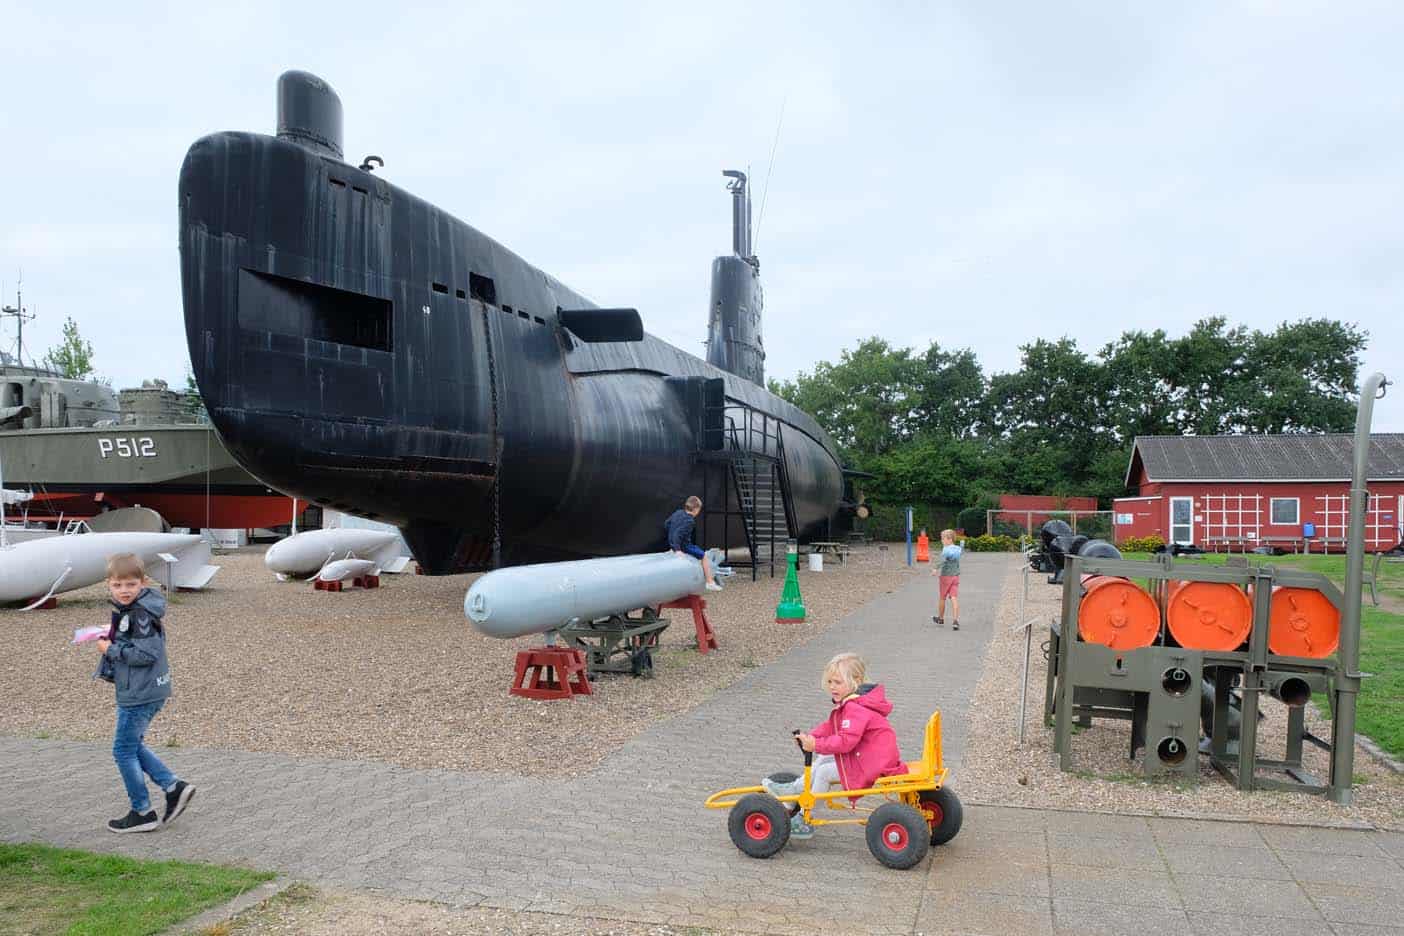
{"x":898,"y":835}
{"x":949,"y":815}
{"x":759,"y":825}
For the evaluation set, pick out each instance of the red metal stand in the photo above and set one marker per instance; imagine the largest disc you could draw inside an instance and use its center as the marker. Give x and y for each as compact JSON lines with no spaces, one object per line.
{"x":319,"y":585}
{"x":50,"y":604}
{"x":550,"y":673}
{"x":366,"y":581}
{"x":706,"y":637}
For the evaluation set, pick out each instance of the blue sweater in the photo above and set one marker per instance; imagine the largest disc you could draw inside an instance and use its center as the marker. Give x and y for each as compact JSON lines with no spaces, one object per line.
{"x":680,"y":527}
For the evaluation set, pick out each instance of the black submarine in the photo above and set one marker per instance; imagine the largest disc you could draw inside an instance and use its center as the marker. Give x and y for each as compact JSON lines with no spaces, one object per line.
{"x":360,"y":348}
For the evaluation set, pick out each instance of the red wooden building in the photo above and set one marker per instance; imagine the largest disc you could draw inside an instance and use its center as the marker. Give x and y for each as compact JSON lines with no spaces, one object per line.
{"x":1238,"y":492}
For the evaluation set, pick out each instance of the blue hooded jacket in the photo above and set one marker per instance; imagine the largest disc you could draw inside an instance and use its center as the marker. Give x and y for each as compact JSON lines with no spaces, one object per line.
{"x":136,"y":663}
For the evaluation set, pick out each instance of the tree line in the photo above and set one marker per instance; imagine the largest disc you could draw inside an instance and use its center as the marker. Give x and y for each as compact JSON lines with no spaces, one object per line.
{"x":934,"y":429}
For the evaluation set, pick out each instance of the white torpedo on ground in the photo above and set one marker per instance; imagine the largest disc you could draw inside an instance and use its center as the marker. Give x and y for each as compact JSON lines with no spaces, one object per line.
{"x":339,"y":570}
{"x":36,"y":570}
{"x":302,"y":554}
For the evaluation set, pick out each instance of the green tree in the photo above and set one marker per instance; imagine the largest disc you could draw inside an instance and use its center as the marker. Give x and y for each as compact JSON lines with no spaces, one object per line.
{"x":1143,"y":396}
{"x":1048,"y":418}
{"x":72,"y":357}
{"x":1303,"y":377}
{"x":194,"y":403}
{"x":948,"y":392}
{"x":865,"y":401}
{"x":1210,"y":364}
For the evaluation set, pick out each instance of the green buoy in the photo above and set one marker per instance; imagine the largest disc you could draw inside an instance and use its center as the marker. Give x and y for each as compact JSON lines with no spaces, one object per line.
{"x":790,"y":610}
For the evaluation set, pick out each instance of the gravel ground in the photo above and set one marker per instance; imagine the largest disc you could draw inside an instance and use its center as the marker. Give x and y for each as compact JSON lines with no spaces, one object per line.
{"x":308,"y":912}
{"x":394,"y":674}
{"x":997,"y":770}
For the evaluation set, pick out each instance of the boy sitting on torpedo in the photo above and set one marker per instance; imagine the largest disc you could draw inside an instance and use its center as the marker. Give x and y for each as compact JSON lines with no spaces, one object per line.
{"x":681,"y":526}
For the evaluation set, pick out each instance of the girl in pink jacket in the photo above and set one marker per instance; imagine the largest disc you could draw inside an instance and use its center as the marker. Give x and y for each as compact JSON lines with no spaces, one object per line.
{"x":855,"y":744}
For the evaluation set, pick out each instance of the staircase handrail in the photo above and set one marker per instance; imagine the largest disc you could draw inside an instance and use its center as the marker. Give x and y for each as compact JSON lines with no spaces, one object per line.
{"x":791,"y":518}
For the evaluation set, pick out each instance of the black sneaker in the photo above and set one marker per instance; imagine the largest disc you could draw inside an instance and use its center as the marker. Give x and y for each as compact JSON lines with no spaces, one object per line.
{"x":134,"y":821}
{"x":177,"y":800}
{"x":955,"y":625}
{"x":936,"y":620}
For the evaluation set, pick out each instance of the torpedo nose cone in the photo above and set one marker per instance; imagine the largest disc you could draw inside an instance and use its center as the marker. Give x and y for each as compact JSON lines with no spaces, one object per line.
{"x":475,"y":606}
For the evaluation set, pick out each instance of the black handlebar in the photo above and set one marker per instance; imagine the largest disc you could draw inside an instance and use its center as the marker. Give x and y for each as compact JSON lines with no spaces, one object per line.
{"x":808,"y":755}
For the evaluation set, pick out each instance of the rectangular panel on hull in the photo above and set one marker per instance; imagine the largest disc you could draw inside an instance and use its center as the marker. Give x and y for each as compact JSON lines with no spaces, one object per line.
{"x":301,"y":343}
{"x":272,"y":303}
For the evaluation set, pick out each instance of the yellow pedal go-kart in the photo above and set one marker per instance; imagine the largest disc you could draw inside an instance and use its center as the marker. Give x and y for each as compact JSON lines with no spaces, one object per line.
{"x":920,"y":811}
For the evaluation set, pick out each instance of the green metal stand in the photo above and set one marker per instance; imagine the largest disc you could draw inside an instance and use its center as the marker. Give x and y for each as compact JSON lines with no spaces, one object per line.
{"x":790,"y":610}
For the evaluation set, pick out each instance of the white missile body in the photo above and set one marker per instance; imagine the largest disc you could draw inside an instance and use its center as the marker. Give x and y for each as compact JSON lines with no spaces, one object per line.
{"x":339,"y":570}
{"x":534,"y":599}
{"x":44,"y":567}
{"x":305,"y":553}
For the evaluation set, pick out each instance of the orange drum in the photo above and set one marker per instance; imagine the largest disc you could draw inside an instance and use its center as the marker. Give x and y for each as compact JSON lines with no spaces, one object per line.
{"x":1208,"y":615}
{"x":1117,"y":613}
{"x":1303,"y":623}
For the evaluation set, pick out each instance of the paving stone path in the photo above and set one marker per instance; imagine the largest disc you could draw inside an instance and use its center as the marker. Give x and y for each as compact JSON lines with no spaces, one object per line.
{"x":630,"y":839}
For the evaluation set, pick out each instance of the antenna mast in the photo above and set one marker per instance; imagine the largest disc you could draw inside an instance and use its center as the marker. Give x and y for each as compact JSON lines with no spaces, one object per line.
{"x":20,"y":315}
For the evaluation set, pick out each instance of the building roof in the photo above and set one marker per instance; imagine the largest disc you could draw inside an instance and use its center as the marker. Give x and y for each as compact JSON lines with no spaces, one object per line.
{"x":1302,"y":457}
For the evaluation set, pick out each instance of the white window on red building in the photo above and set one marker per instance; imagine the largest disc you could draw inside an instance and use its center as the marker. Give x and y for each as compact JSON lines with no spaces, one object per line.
{"x":1286,"y":511}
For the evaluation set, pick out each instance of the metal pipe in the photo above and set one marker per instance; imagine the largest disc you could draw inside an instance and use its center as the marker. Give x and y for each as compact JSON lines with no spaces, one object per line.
{"x":1348,"y":680}
{"x":1028,"y":647}
{"x":1292,"y":691}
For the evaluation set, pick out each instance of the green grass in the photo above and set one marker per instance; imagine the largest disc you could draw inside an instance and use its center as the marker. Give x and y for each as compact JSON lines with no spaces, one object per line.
{"x":1380,"y":711}
{"x":47,"y":891}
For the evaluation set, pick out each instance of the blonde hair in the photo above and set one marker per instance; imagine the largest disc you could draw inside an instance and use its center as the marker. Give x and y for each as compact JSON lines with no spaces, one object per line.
{"x":847,"y":666}
{"x":693,"y":503}
{"x":948,"y":534}
{"x":125,"y":565}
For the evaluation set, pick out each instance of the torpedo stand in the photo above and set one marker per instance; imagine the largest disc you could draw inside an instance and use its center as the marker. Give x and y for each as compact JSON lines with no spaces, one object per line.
{"x":706,"y":637}
{"x":360,"y":581}
{"x":619,"y":643}
{"x":550,"y":672}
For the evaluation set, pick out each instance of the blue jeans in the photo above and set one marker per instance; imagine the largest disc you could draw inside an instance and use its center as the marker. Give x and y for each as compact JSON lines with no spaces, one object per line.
{"x":134,"y":758}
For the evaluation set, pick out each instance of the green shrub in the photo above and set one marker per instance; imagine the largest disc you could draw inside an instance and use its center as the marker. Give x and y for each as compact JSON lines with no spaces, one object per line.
{"x":1142,"y":543}
{"x":971,"y":520}
{"x":989,"y":543}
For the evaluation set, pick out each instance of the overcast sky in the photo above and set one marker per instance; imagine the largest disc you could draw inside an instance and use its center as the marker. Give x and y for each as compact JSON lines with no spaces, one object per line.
{"x":980,"y":173}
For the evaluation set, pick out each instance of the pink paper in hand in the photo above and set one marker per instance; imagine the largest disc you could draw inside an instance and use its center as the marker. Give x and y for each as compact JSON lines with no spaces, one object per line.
{"x":85,"y":634}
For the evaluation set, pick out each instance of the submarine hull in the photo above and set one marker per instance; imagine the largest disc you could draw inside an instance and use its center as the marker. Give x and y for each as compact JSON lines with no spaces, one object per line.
{"x":360,"y":348}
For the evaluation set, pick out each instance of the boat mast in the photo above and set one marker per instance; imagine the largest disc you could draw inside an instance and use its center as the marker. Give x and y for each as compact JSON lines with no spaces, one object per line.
{"x":18,"y":313}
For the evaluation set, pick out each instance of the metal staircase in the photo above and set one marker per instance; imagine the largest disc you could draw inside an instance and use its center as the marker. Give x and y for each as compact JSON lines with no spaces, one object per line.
{"x":753,"y":487}
{"x":760,"y":492}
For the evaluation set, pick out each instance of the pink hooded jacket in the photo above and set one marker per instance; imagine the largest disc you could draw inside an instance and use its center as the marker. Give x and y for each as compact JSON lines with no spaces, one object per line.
{"x":858,"y":736}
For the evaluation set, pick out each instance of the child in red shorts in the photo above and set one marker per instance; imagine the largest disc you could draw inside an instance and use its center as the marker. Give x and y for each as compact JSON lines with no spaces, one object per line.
{"x":949,"y":570}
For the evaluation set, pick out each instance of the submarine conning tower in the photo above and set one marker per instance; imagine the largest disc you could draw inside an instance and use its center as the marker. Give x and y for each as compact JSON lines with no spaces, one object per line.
{"x":734,"y":316}
{"x":309,"y":113}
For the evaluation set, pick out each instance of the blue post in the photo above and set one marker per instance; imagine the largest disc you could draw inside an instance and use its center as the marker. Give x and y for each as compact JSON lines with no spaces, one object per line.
{"x":909,"y":536}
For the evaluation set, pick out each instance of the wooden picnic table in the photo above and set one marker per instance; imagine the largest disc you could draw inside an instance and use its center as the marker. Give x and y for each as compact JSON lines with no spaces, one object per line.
{"x":839,"y":550}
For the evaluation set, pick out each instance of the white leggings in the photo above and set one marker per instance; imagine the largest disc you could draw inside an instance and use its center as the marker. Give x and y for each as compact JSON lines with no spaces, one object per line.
{"x":824,"y":773}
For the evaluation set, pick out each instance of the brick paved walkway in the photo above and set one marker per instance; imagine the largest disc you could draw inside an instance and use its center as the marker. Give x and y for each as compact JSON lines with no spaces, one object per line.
{"x":629,"y":839}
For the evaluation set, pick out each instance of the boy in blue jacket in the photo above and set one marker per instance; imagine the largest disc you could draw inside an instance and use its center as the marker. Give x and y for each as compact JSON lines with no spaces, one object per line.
{"x":680,"y":528}
{"x":134,"y":661}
